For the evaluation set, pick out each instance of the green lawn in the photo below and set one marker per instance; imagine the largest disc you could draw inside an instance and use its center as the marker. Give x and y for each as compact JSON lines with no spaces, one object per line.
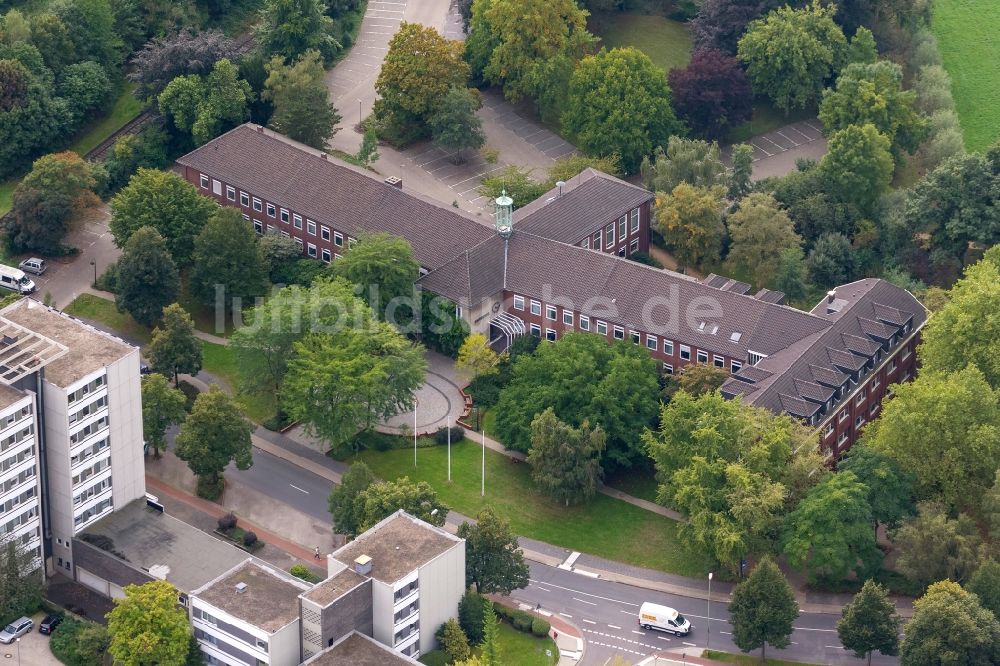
{"x":220,"y":361}
{"x":520,"y":649}
{"x":103,"y":311}
{"x":748,"y":659}
{"x":666,"y":42}
{"x":7,"y":194}
{"x":604,"y":526}
{"x":639,"y":483}
{"x":967,"y":37}
{"x":125,"y":108}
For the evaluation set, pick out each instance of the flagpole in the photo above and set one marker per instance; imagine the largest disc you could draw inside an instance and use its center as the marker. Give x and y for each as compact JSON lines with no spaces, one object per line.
{"x":449,"y":449}
{"x":482,"y":491}
{"x":414,"y":434}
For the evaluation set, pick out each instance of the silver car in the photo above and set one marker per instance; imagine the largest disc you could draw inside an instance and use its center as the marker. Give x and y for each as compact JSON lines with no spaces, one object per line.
{"x":33,"y":265}
{"x":15,"y":630}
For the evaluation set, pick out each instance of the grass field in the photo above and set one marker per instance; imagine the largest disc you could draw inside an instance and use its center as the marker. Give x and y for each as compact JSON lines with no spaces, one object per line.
{"x":748,"y":659}
{"x":967,"y":37}
{"x":7,"y":194}
{"x":220,"y":361}
{"x":125,"y":108}
{"x":604,"y":526}
{"x":639,"y":483}
{"x":666,"y":42}
{"x":516,"y":649}
{"x":103,"y":311}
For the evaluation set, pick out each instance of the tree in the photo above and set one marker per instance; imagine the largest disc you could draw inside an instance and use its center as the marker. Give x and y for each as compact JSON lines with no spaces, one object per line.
{"x":368,"y":151}
{"x":991,"y":508}
{"x":46,"y":201}
{"x":15,"y":81}
{"x":148,"y":627}
{"x":565,"y":461}
{"x":960,"y":461}
{"x":712,"y":94}
{"x":84,"y":86}
{"x":186,"y":52}
{"x":790,"y":276}
{"x":762,"y":609}
{"x":791,"y":53}
{"x":831,"y":260}
{"x":471,"y":609}
{"x":174,"y":348}
{"x":873,"y":94}
{"x":302,"y":108}
{"x":162,"y":407}
{"x":93,"y":34}
{"x":419,"y":69}
{"x":166,"y":202}
{"x":862,"y":49}
{"x":931,"y":546}
{"x":20,"y":579}
{"x":858,"y":165}
{"x":516,"y":182}
{"x":453,"y":641}
{"x":966,"y":330}
{"x":455,"y":127}
{"x":205,"y":107}
{"x":889,"y":489}
{"x":690,"y":161}
{"x":344,"y":498}
{"x":476,"y":357}
{"x":760,"y":232}
{"x":619,"y":104}
{"x":829,"y":533}
{"x":575,"y":164}
{"x":493,"y":559}
{"x":869,"y":623}
{"x":697,"y":379}
{"x":147,"y":277}
{"x":690,"y":220}
{"x":490,"y":648}
{"x":52,"y":39}
{"x":383,"y":498}
{"x":949,"y":626}
{"x":384,"y":267}
{"x":719,"y":24}
{"x":226,"y":255}
{"x":739,"y":177}
{"x":289,"y":28}
{"x":214,"y":435}
{"x":985,"y":584}
{"x":347,"y":380}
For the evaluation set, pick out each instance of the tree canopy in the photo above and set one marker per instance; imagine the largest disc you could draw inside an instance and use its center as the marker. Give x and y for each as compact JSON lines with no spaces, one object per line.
{"x":205,"y":107}
{"x":931,"y":546}
{"x":762,"y":609}
{"x":889,"y":490}
{"x":383,"y":498}
{"x":690,"y":220}
{"x":493,"y":559}
{"x":162,"y":407}
{"x":344,"y":498}
{"x":214,"y":435}
{"x":227,"y":257}
{"x":289,"y":28}
{"x":565,"y":461}
{"x":760,"y":232}
{"x":147,"y":277}
{"x":174,"y":348}
{"x":163,"y":59}
{"x":298,"y":92}
{"x":869,"y":623}
{"x":858,"y":165}
{"x":148,"y":627}
{"x":383,"y":267}
{"x":712,"y":94}
{"x":690,"y":161}
{"x":455,"y":127}
{"x":950,"y":626}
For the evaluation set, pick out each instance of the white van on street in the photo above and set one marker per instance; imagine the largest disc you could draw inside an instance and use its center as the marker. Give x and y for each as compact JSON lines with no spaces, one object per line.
{"x":15,"y":280}
{"x":663,"y":618}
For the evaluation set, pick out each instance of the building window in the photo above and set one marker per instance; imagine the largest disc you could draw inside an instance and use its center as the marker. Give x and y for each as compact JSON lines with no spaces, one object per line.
{"x":311,"y":250}
{"x":518,"y":302}
{"x":843,"y":415}
{"x":536,"y":330}
{"x":536,"y":308}
{"x":216,"y":188}
{"x":246,"y":218}
{"x":635,"y":337}
{"x":861,"y":397}
{"x":338,"y":239}
{"x":602,"y":327}
{"x":873,"y":410}
{"x":622,"y":222}
{"x":550,"y":312}
{"x":892,"y":366}
{"x":829,"y":429}
{"x":271,"y":229}
{"x":597,"y":240}
{"x":310,"y":227}
{"x":584,"y":323}
{"x":244,"y":199}
{"x":324,"y":232}
{"x":619,"y":333}
{"x":622,"y":251}
{"x":735,"y":366}
{"x":668,"y":347}
{"x":568,"y":317}
{"x":586,"y":243}
{"x":258,"y":226}
{"x":609,"y":235}
{"x":203,"y":181}
{"x":284,"y":216}
{"x":685,"y":352}
{"x":668,"y":369}
{"x":702,"y":356}
{"x":325,"y":255}
{"x":633,"y":246}
{"x":635,"y":220}
{"x":230,"y":193}
{"x":550,"y":334}
{"x":298,"y":243}
{"x":718,"y":361}
{"x":257,"y":205}
{"x":651,"y":342}
{"x":351,"y":241}
{"x":858,"y":421}
{"x":875,"y":383}
{"x":270,"y":210}
{"x":297,"y":221}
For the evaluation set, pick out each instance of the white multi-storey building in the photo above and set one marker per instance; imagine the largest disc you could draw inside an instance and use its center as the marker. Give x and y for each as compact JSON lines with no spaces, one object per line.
{"x":71,"y":420}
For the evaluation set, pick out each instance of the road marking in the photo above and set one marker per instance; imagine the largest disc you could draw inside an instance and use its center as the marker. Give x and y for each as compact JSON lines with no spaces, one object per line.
{"x":663,"y":638}
{"x":583,"y":601}
{"x":566,"y":615}
{"x":636,"y":631}
{"x":298,"y":489}
{"x":794,"y":143}
{"x":727,"y":633}
{"x":588,"y":621}
{"x":614,"y":626}
{"x":811,"y":629}
{"x":760,"y":149}
{"x":779,"y":146}
{"x":627,"y":612}
{"x":689,"y":644}
{"x":834,"y":647}
{"x":587,"y":594}
{"x":543,"y":589}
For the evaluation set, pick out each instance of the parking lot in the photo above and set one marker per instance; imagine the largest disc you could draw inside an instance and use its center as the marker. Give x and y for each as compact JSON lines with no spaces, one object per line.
{"x":356,"y":74}
{"x":31,"y":650}
{"x":785,"y":138}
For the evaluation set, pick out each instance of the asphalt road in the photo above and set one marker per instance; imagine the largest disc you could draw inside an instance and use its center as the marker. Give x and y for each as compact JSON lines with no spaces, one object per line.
{"x":605,"y":611}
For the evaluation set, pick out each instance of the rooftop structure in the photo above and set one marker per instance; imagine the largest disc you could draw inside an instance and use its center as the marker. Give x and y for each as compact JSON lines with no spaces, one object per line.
{"x":397,"y":546}
{"x":356,"y":649}
{"x":334,"y":587}
{"x":256,"y":595}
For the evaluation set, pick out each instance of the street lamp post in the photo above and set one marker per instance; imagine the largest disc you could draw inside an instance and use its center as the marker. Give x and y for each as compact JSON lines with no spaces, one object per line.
{"x":361,"y":114}
{"x":18,"y":642}
{"x":449,"y":449}
{"x":93,"y":264}
{"x":482,"y":490}
{"x":708,"y":615}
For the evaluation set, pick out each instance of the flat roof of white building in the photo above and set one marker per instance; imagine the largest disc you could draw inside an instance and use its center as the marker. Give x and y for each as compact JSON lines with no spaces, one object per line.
{"x":334,"y":587}
{"x":9,"y":396}
{"x":255,"y":594}
{"x":357,"y":649}
{"x":88,"y":349}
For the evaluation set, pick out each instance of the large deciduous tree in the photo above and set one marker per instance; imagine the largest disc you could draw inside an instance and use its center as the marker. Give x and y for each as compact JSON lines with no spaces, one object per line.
{"x":383,"y":267}
{"x":383,"y":498}
{"x":950,"y":626}
{"x":690,"y":161}
{"x":985,"y":584}
{"x":711,"y":94}
{"x":344,"y":498}
{"x":174,"y":349}
{"x":165,"y":202}
{"x":791,"y":53}
{"x":565,"y":461}
{"x":298,"y":92}
{"x":93,"y":31}
{"x":493,"y":559}
{"x":226,"y":256}
{"x":163,"y":59}
{"x":455,"y":127}
{"x":20,"y":581}
{"x":762,"y":610}
{"x":476,"y":357}
{"x":760,"y":231}
{"x":869,"y":623}
{"x":690,"y":220}
{"x":147,"y":626}
{"x":289,"y":28}
{"x":214,"y":435}
{"x":931,"y":546}
{"x":147,"y":277}
{"x":831,"y":260}
{"x":719,"y":24}
{"x":889,"y":489}
{"x":85,"y":87}
{"x":858,"y":165}
{"x":162,"y":407}
{"x":619,"y":104}
{"x":205,"y":107}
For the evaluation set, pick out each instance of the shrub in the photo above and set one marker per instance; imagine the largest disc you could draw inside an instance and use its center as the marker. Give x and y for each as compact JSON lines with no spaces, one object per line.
{"x":522,"y":621}
{"x":303,"y":572}
{"x":471,"y":610}
{"x":249,"y":539}
{"x":540,"y":627}
{"x":209,"y":489}
{"x":454,"y":642}
{"x":79,"y":643}
{"x":457,"y":434}
{"x":109,"y":279}
{"x":485,"y":390}
{"x":227,"y":522}
{"x":434,"y":658}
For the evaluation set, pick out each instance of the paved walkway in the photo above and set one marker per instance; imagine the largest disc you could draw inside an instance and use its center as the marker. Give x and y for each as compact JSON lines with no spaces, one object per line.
{"x":775,"y":152}
{"x":438,"y":400}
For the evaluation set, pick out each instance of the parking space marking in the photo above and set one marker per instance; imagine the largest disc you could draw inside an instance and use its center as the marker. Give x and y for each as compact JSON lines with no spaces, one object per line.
{"x":765,"y":138}
{"x":794,"y":143}
{"x":760,"y":149}
{"x":798,"y":131}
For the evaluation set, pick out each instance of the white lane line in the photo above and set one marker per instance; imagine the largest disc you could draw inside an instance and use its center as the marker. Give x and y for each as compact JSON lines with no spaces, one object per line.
{"x":663,"y":638}
{"x":614,"y":626}
{"x":636,"y":631}
{"x":760,"y":149}
{"x":627,"y":612}
{"x":832,"y":631}
{"x":689,"y":644}
{"x":588,"y":621}
{"x":593,"y":596}
{"x":298,"y":489}
{"x":566,"y":615}
{"x":727,"y":633}
{"x":583,"y":601}
{"x":834,"y":647}
{"x":543,"y":589}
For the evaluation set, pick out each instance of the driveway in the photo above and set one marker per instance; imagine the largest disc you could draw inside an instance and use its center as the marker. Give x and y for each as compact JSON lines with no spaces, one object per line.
{"x":32,"y":649}
{"x":775,"y":152}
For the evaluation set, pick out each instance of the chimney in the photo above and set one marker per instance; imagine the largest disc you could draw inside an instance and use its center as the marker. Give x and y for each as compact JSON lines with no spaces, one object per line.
{"x":394,"y":181}
{"x":260,"y":128}
{"x":241,"y":588}
{"x":560,"y":184}
{"x":363,"y":565}
{"x":830,"y":295}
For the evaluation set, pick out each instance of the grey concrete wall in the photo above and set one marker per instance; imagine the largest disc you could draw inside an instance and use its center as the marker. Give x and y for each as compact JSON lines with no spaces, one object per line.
{"x":442,"y":583}
{"x":125,"y":412}
{"x":352,"y":612}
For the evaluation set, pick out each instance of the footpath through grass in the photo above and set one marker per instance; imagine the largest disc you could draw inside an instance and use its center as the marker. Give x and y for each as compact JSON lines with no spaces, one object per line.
{"x":666,"y":42}
{"x":967,"y":33}
{"x":104,"y":312}
{"x":604,"y":527}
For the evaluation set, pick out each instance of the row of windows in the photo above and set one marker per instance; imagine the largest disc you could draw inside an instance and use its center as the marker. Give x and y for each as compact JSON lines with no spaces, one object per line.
{"x":17,"y":480}
{"x":88,"y":430}
{"x":17,"y":500}
{"x":17,"y":437}
{"x":85,"y":390}
{"x":608,"y":237}
{"x":14,"y":461}
{"x":405,"y":591}
{"x":19,"y":415}
{"x":17,"y":521}
{"x":93,"y":407}
{"x":92,"y":491}
{"x":89,"y":452}
{"x":93,"y":470}
{"x":93,"y":511}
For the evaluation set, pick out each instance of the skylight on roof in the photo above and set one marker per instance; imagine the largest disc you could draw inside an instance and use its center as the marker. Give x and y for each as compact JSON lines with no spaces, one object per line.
{"x":735,"y":336}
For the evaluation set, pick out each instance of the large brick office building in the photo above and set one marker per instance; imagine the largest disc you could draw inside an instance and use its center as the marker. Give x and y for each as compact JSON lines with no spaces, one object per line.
{"x":561,"y":264}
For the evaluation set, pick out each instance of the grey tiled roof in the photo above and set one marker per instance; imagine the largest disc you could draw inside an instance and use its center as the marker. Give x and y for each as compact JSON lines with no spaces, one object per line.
{"x":344,"y":197}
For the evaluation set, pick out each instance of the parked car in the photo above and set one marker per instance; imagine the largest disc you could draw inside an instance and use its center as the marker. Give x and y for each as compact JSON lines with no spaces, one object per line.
{"x":15,"y":280}
{"x":15,"y":630}
{"x":663,"y":618}
{"x":50,"y":622}
{"x":33,"y":265}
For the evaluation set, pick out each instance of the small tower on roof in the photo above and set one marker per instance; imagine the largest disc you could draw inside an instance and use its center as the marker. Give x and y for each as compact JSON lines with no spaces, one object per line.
{"x":504,"y":215}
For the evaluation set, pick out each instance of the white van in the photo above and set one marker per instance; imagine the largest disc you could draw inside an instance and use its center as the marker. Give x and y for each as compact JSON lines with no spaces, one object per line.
{"x":15,"y":280}
{"x":663,"y":618}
